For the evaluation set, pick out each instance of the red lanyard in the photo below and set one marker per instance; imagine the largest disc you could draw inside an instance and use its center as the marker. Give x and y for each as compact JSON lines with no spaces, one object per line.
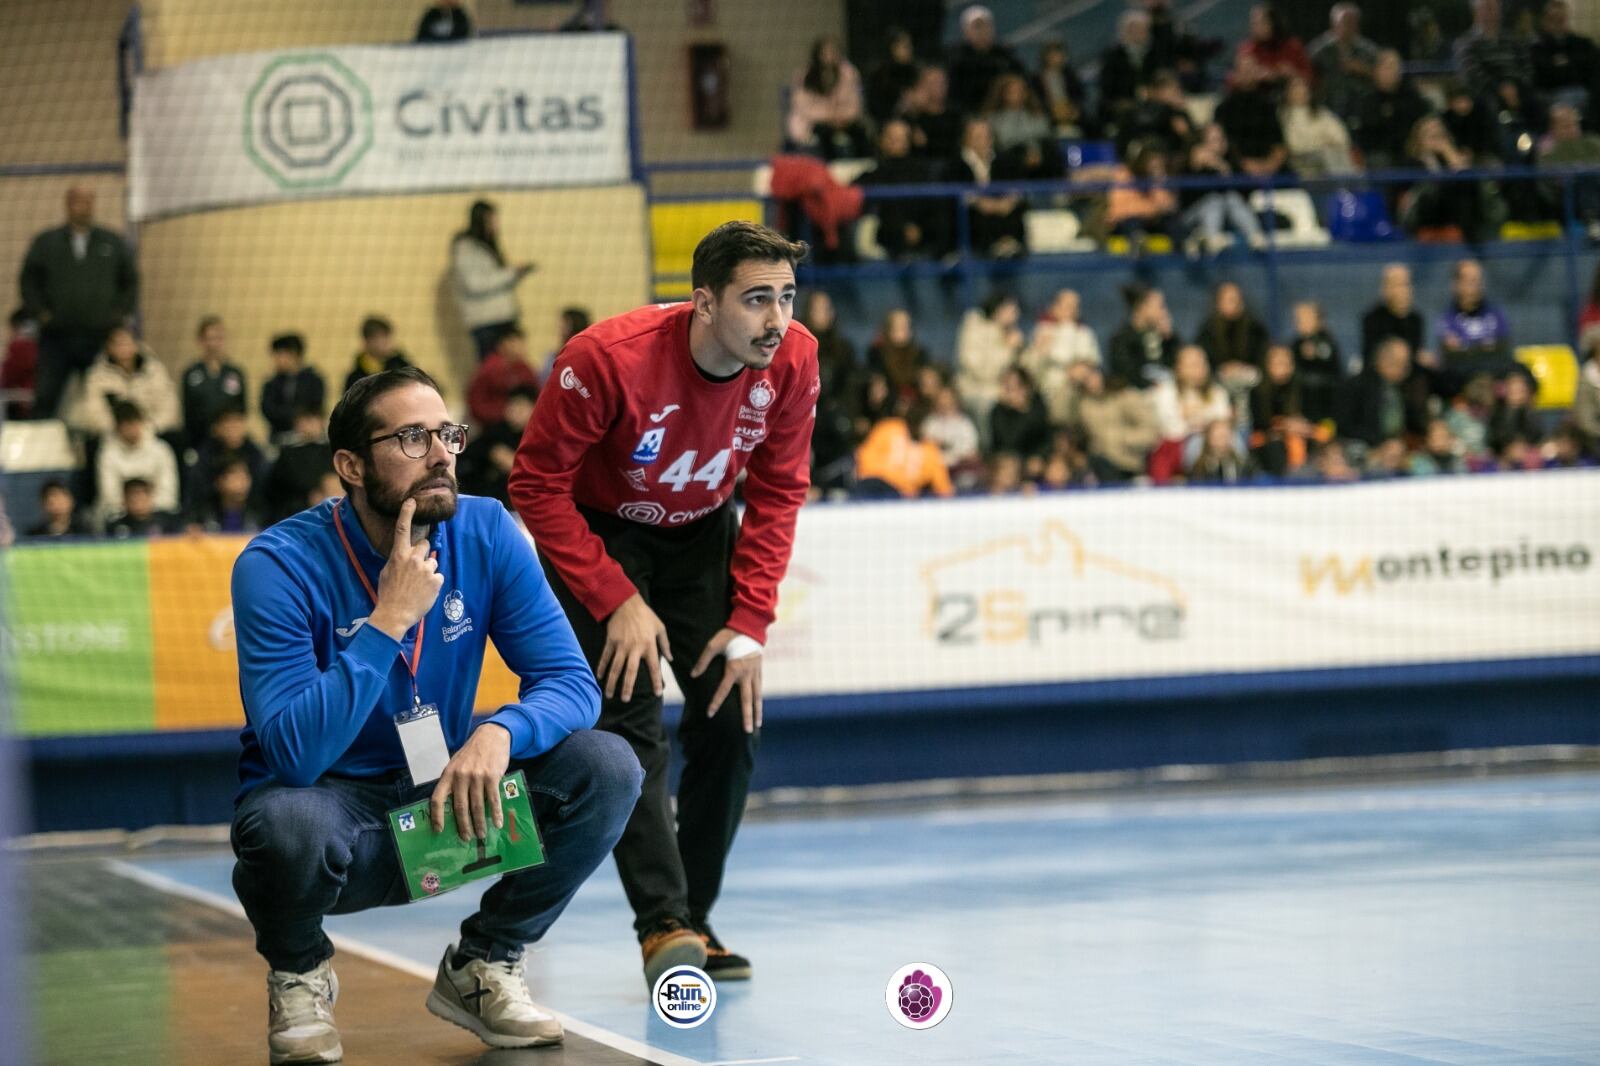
{"x":416,"y":652}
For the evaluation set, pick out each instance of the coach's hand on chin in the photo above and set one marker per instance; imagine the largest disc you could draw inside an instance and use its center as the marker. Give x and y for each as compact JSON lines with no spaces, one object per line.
{"x":472,"y":777}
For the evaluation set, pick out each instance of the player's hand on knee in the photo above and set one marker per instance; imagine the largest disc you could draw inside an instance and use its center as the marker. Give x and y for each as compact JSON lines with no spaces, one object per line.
{"x":744,"y":672}
{"x":471,"y":780}
{"x":410,"y":581}
{"x":633,"y":635}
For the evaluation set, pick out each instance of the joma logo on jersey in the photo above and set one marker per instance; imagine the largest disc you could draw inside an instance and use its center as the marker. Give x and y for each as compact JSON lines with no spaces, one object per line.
{"x":648,"y":449}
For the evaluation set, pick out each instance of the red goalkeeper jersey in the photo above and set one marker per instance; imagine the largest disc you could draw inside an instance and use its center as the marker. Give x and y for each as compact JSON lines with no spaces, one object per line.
{"x":629,"y":425}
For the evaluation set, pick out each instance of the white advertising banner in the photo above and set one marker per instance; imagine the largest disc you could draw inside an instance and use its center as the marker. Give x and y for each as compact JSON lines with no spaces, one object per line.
{"x":533,"y":110}
{"x":1144,"y":584}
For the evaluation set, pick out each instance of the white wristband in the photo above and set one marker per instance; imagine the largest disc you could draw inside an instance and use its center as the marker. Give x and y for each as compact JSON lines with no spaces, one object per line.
{"x":740,"y":647}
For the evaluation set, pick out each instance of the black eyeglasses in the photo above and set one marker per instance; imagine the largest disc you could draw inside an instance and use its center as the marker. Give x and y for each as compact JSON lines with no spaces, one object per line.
{"x":416,"y":440}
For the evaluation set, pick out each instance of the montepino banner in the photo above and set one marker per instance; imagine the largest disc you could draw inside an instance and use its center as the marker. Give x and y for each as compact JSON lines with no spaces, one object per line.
{"x":530,"y":111}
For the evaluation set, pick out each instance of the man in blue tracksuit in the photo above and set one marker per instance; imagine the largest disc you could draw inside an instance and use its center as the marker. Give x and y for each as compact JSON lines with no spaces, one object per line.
{"x":380,"y":603}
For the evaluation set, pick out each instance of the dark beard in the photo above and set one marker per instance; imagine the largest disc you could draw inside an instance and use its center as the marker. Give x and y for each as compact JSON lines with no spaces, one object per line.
{"x":431,"y":510}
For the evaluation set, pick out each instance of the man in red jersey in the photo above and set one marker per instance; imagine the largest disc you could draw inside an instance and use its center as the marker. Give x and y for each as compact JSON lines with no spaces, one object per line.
{"x":625,"y":477}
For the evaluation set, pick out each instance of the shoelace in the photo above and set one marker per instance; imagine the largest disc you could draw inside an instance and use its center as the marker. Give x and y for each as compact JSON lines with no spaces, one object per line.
{"x":300,"y":995}
{"x":509,"y":984}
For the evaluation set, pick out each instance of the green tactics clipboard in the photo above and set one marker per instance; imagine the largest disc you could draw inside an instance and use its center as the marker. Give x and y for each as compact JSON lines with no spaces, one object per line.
{"x":437,"y":862}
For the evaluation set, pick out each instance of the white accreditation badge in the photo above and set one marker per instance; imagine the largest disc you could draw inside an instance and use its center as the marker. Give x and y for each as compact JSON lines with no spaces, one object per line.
{"x":422,"y":737}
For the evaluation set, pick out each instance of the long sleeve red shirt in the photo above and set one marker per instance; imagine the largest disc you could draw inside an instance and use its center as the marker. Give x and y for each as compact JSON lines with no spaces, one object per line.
{"x":628,"y":425}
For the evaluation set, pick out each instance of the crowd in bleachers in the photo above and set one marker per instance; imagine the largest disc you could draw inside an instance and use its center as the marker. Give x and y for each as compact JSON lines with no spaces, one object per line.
{"x":1219,"y":401}
{"x":1167,"y":104}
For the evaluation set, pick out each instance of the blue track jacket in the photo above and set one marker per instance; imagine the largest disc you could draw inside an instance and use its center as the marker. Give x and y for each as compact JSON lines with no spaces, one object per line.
{"x":321,"y":687}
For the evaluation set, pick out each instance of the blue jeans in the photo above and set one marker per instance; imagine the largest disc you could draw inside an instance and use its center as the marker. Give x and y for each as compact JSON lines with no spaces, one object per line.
{"x":326,"y":849}
{"x":1207,"y":216}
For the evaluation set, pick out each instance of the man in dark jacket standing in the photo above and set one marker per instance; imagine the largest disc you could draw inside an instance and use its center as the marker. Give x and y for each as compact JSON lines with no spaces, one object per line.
{"x":78,"y":281}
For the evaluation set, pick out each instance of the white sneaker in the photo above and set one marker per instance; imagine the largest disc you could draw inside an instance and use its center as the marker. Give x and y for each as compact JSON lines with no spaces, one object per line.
{"x":491,"y":999}
{"x":300,"y":1015}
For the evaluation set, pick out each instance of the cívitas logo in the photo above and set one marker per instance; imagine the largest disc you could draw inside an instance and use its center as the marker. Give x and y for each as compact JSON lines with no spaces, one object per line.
{"x":919,"y":995}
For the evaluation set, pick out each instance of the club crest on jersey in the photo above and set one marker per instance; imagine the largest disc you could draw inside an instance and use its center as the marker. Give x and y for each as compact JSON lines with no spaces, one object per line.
{"x":648,"y":449}
{"x":636,"y":478}
{"x":761,"y":395}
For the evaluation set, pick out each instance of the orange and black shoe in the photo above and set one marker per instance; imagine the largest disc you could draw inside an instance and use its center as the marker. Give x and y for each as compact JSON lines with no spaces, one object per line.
{"x":667,"y":944}
{"x":721,"y":964}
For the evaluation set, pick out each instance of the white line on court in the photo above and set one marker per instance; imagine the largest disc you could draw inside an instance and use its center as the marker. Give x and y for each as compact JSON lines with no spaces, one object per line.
{"x":753,"y":1062}
{"x":162,"y":883}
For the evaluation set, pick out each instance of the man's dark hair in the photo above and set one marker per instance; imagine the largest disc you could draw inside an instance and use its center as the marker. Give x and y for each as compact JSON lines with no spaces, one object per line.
{"x":576,"y":319}
{"x":351,"y":425}
{"x":720,"y":252}
{"x":373,"y":325}
{"x":524,"y":392}
{"x":232,"y":408}
{"x":123,"y":412}
{"x":53,"y":485}
{"x":512,"y":330}
{"x":228,"y":464}
{"x":21,"y":317}
{"x":135,"y":483}
{"x":206,"y":322}
{"x":310,"y":410}
{"x":289,"y":342}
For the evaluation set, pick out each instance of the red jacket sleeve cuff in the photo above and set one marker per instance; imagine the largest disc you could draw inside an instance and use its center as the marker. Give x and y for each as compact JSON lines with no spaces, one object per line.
{"x":751,"y":623}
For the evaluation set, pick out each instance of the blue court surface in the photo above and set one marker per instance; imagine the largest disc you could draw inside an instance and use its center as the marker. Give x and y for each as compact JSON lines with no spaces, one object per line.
{"x":1447,"y":921}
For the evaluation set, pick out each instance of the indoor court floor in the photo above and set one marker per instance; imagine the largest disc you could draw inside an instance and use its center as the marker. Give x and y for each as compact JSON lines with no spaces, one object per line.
{"x":1417,"y":921}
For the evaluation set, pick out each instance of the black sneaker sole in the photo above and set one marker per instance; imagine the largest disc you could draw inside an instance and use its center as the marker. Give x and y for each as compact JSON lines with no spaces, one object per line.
{"x":734,"y":971}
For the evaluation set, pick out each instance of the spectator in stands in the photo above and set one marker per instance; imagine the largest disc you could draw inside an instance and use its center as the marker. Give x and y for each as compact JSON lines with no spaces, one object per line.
{"x":1440,"y":452}
{"x":1220,"y":461}
{"x":1061,"y":91}
{"x":1125,"y":66}
{"x":935,"y":125}
{"x":19,"y":373}
{"x":1119,"y":425}
{"x":825,"y":105}
{"x":140,"y":514}
{"x":126,"y":370}
{"x":227,"y":439}
{"x":506,"y":368}
{"x":1514,"y":418}
{"x":832,"y":437}
{"x":211,"y":384}
{"x":892,"y":77}
{"x":1061,"y":346}
{"x":228,"y":505}
{"x":908,"y":227}
{"x":443,"y":22}
{"x":1318,"y":366}
{"x":1468,"y":417}
{"x":1394,"y":315}
{"x":1144,"y":347}
{"x":485,"y":285}
{"x":1007,"y":477}
{"x":304,"y":459}
{"x":569,"y":323}
{"x":1019,"y":424}
{"x":1331,"y":466}
{"x":1386,"y":461}
{"x":896,"y":355}
{"x":896,"y":460}
{"x":1474,"y":207}
{"x":485,"y":465}
{"x":1565,"y":64}
{"x":1343,"y":61}
{"x":956,"y":435}
{"x":1388,"y":114}
{"x":378,"y":351}
{"x":1185,"y":404}
{"x":1379,"y":403}
{"x":1471,"y":126}
{"x":1159,"y":118}
{"x":592,"y":16}
{"x":77,"y":281}
{"x":1248,"y":114}
{"x":979,"y":59}
{"x":292,"y":388}
{"x":1271,"y":53}
{"x":1318,"y":142}
{"x":1067,"y":466}
{"x":995,"y":221}
{"x":59,"y":513}
{"x":1281,"y":426}
{"x":1140,"y":205}
{"x":1179,"y":50}
{"x":130,"y":451}
{"x":1209,"y":214}
{"x":1487,"y":56}
{"x":1474,"y":336}
{"x":1569,"y":146}
{"x":875,"y":401}
{"x":1586,"y":402}
{"x":988,"y":344}
{"x":1015,"y":115}
{"x":1233,"y":339}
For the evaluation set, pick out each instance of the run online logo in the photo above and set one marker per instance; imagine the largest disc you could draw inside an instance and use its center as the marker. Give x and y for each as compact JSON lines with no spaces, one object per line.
{"x":684,"y":997}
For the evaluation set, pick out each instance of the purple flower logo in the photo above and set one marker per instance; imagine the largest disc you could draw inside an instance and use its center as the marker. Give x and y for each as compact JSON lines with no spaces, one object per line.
{"x":919,"y":996}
